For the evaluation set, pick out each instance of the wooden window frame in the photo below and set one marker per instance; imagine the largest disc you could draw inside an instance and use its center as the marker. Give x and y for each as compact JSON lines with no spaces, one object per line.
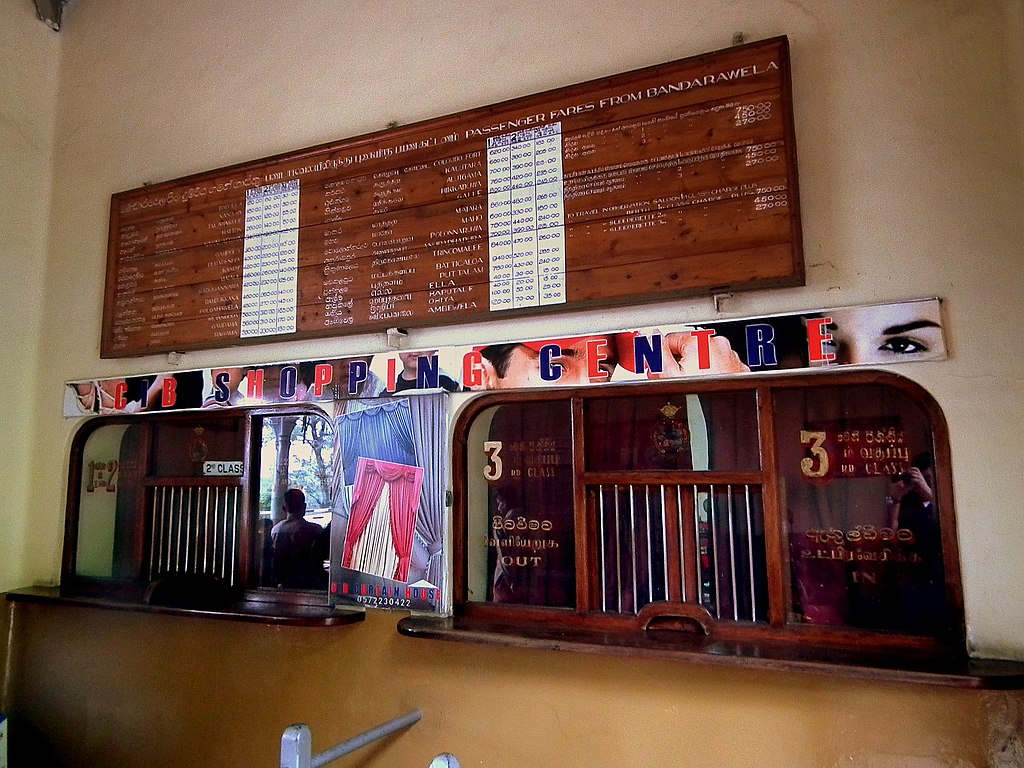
{"x":250,"y":601}
{"x":778,"y":643}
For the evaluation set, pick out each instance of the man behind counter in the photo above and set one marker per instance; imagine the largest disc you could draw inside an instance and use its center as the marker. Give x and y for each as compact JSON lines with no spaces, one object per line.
{"x":293,"y":544}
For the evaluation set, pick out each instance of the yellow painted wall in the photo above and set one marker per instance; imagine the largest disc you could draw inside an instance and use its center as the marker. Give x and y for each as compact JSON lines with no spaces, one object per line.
{"x":28,"y":102}
{"x":186,"y":692}
{"x":910,"y":128}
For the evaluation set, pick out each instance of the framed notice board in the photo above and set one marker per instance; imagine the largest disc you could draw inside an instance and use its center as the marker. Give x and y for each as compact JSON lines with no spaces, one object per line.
{"x":674,"y":180}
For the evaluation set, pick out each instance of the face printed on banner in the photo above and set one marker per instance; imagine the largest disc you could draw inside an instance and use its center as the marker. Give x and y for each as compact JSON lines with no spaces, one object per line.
{"x":907,"y":331}
{"x":694,"y":352}
{"x":578,"y":360}
{"x":886,"y":334}
{"x":353,"y":378}
{"x":411,"y":362}
{"x":278,"y":383}
{"x":224,"y":387}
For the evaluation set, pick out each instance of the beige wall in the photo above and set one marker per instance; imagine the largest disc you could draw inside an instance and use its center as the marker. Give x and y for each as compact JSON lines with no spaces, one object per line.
{"x":228,"y":690}
{"x":28,"y":91}
{"x":911,"y":147}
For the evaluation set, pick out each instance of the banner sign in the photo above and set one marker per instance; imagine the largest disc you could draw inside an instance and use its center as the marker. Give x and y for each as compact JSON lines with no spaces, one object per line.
{"x":824,"y":338}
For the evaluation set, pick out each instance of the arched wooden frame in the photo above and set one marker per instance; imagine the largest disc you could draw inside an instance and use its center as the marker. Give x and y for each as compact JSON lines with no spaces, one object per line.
{"x":587,"y":618}
{"x":237,"y":597}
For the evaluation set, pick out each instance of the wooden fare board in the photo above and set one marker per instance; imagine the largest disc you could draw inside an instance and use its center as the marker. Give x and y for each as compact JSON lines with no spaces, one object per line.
{"x":672,"y":180}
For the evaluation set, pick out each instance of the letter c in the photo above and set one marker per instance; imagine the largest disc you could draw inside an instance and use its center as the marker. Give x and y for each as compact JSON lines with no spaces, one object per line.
{"x":549,"y":369}
{"x":120,"y":390}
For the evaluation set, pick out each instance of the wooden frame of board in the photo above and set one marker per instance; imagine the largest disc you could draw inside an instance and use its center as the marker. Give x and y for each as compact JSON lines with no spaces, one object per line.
{"x":678,"y":179}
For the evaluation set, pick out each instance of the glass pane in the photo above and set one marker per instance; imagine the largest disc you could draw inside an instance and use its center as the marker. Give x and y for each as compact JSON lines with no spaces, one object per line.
{"x":856,"y":464}
{"x":732,"y":576}
{"x":699,"y":544}
{"x":521,"y":537}
{"x":633,"y":541}
{"x":181,"y":448}
{"x":293,"y":530}
{"x":104,"y":511}
{"x":715,"y":431}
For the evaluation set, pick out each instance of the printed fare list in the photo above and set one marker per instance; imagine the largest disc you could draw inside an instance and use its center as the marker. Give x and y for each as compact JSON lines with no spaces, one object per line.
{"x":600,"y":194}
{"x":526,"y":218}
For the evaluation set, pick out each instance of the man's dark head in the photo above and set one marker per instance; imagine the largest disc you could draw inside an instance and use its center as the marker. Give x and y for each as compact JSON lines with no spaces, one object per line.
{"x":499,"y":356}
{"x":295,"y":502}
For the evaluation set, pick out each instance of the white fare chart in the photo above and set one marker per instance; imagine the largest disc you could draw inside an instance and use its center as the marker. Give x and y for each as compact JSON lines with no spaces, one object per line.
{"x":526,"y":218}
{"x":270,"y":260}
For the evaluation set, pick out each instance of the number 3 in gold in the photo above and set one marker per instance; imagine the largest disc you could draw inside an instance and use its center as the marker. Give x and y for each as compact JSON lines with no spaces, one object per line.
{"x":492,"y":470}
{"x":814,"y":439}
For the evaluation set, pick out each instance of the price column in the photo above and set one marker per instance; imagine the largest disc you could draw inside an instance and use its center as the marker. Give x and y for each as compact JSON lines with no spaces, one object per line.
{"x":526,"y":218}
{"x":499,"y":220}
{"x":270,"y":260}
{"x":548,"y":193}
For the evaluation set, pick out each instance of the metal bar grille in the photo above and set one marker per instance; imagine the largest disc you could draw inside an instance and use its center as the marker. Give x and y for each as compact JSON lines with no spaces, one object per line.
{"x":194,"y":530}
{"x":636,"y":556}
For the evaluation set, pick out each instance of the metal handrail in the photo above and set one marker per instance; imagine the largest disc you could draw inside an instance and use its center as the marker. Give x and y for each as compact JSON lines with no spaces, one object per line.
{"x":297,"y":742}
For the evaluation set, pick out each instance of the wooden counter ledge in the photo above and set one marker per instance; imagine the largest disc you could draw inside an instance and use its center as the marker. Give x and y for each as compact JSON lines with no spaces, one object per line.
{"x":259,"y":611}
{"x":962,"y":672}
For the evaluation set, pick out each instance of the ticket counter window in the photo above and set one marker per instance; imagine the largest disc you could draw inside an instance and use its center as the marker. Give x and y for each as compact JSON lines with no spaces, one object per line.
{"x":810,"y":509}
{"x":184,"y":504}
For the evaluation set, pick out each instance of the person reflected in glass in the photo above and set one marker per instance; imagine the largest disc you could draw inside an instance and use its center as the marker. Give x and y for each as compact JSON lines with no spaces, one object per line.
{"x":507,"y":583}
{"x":911,"y":499}
{"x":917,"y":599}
{"x":296,"y":562}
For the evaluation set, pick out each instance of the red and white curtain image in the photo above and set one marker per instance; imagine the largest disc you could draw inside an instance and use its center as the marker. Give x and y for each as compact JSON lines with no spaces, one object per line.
{"x":382,"y":522}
